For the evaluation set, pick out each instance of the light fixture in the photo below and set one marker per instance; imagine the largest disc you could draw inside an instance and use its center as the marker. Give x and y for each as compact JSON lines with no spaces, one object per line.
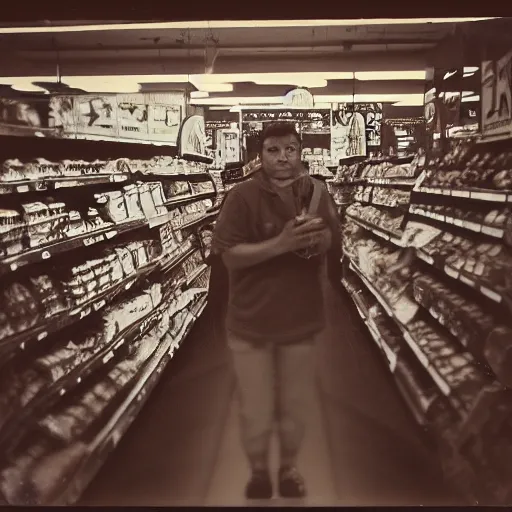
{"x":211,"y":87}
{"x":390,"y":75}
{"x":467,"y":99}
{"x":233,"y":100}
{"x":199,"y":94}
{"x":184,"y":25}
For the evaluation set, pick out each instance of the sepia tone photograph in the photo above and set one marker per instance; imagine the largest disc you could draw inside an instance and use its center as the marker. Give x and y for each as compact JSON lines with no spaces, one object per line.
{"x":255,"y":262}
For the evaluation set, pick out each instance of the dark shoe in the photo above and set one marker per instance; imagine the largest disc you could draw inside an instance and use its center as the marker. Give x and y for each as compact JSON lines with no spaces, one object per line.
{"x":291,"y":483}
{"x":259,"y":486}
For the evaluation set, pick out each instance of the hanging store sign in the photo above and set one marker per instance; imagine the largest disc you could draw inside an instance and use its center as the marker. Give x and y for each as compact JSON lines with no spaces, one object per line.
{"x":348,"y":133}
{"x":132,"y":116}
{"x":96,"y":115}
{"x":192,"y":138}
{"x":496,"y":98}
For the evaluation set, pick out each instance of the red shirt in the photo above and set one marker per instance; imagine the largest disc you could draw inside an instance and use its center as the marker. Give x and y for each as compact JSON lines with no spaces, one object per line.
{"x":279,"y":300}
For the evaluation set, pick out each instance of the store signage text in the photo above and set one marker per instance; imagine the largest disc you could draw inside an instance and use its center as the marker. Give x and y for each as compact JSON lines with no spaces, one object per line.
{"x":497,"y":97}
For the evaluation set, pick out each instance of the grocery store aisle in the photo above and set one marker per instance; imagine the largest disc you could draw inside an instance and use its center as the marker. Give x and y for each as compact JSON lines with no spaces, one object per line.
{"x":362,"y":445}
{"x":168,"y":455}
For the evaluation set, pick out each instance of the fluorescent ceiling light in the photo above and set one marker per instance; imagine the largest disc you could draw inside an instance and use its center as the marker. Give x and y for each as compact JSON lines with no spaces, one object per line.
{"x":466,"y":99}
{"x":211,"y":87}
{"x":199,"y":94}
{"x":391,"y":75}
{"x":232,"y":100}
{"x":183,"y":25}
{"x":272,"y":78}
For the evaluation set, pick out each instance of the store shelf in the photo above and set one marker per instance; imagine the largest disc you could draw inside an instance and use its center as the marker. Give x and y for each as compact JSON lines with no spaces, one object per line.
{"x":461,"y":276}
{"x":199,"y":220}
{"x":181,"y":176}
{"x":13,"y":432}
{"x":58,"y":182}
{"x":398,"y":182}
{"x":108,"y":438}
{"x":46,"y":252}
{"x":475,"y":227}
{"x":176,"y":203}
{"x":196,"y":274}
{"x":382,"y":233}
{"x":414,"y":346}
{"x":177,"y":259}
{"x":495,"y":196}
{"x":24,"y":340}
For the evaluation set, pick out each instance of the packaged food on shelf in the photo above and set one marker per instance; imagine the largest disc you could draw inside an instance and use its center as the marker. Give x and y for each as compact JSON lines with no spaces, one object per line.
{"x":40,"y":474}
{"x":454,"y":370}
{"x":71,"y":423}
{"x":465,"y":319}
{"x":383,"y":219}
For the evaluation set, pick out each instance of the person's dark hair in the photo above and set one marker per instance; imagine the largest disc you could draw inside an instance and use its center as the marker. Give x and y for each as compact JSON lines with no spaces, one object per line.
{"x":278,"y":129}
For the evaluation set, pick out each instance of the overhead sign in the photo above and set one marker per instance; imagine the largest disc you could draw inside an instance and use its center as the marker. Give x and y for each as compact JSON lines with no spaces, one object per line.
{"x":285,"y":115}
{"x":496,"y":97}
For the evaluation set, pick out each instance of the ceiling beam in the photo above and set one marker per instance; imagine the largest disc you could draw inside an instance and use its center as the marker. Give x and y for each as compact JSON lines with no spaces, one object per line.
{"x":346,"y":61}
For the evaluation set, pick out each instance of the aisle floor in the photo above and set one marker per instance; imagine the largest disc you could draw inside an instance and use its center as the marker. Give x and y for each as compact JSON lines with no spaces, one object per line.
{"x":231,"y":472}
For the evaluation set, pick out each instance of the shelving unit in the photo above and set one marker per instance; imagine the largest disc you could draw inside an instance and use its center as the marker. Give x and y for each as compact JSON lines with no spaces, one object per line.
{"x":440,"y":285}
{"x":118,"y":298}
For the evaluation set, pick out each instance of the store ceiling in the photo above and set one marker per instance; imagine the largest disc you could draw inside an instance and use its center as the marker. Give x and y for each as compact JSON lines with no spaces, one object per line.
{"x":178,"y":52}
{"x":256,"y":49}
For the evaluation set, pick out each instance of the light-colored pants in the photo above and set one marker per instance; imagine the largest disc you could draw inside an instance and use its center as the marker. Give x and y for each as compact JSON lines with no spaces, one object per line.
{"x":275,"y":383}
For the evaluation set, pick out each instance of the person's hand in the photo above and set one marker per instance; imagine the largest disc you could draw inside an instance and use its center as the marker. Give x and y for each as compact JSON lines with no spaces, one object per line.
{"x":297,"y":236}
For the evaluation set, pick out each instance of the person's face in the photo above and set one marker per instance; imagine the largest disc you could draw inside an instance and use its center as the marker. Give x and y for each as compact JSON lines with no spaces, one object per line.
{"x":280,"y":156}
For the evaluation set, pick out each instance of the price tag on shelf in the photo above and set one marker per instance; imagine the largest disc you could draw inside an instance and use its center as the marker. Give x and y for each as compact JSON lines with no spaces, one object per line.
{"x":473,"y":226}
{"x":496,"y":232}
{"x":41,"y":185}
{"x":98,"y":305}
{"x":458,"y":222}
{"x":45,"y":255}
{"x":467,"y":280}
{"x":110,"y":234}
{"x":449,"y":220}
{"x":425,"y":257}
{"x":85,"y":312}
{"x":446,"y":192}
{"x":119,"y":178}
{"x":22,"y":188}
{"x":108,"y":357}
{"x":13,"y":266}
{"x":491,"y":294}
{"x":459,"y":193}
{"x":93,"y":240}
{"x":119,"y":343}
{"x":42,"y":335}
{"x":489,"y":196}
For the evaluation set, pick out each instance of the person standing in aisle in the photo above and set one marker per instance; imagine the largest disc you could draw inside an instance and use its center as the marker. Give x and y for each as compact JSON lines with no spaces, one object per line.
{"x":275,"y":252}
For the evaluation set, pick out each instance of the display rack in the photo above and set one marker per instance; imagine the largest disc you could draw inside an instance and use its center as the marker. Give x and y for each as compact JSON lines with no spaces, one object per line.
{"x":427,"y":265}
{"x":109,"y":258}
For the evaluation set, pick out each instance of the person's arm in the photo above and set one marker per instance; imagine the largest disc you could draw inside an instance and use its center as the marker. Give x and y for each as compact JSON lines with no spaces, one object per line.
{"x":232,"y":237}
{"x":248,"y":255}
